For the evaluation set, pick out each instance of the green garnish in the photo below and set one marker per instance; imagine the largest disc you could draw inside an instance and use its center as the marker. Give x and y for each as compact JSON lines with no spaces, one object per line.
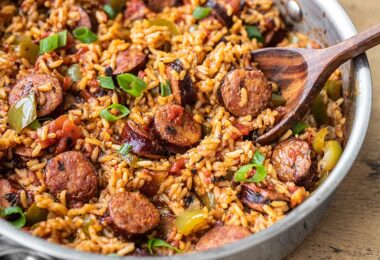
{"x":21,"y":114}
{"x":85,"y":35}
{"x":125,"y":149}
{"x":53,"y":42}
{"x":123,"y":112}
{"x":254,"y":33}
{"x":34,"y":125}
{"x":74,"y":72}
{"x":106,"y":82}
{"x":257,"y":162}
{"x":14,"y":215}
{"x":299,"y":128}
{"x":165,"y":89}
{"x":109,"y":11}
{"x":201,"y":12}
{"x":131,"y":84}
{"x":155,"y":242}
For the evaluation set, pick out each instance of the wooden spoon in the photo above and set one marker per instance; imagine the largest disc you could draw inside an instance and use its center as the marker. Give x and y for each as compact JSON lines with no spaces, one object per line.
{"x":302,"y":73}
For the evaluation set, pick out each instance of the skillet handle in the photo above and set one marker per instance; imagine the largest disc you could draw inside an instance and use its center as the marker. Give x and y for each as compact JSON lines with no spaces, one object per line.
{"x":9,"y":250}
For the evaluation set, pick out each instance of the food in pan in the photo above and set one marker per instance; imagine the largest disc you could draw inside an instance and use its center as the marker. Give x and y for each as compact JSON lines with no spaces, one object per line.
{"x":129,"y":127}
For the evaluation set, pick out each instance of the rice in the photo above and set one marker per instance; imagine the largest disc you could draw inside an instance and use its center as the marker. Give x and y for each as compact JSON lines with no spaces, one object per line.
{"x":207,"y":50}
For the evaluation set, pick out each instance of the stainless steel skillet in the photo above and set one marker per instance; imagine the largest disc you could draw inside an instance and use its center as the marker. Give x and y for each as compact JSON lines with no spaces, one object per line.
{"x":326,"y":21}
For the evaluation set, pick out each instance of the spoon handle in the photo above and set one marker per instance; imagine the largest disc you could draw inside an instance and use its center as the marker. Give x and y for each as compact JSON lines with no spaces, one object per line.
{"x":354,"y":46}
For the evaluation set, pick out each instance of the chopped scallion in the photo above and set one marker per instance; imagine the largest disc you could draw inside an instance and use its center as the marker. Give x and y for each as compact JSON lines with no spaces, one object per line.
{"x":85,"y":35}
{"x":165,"y":89}
{"x":125,"y":149}
{"x":131,"y":84}
{"x":53,"y":42}
{"x":106,"y":82}
{"x":299,"y":128}
{"x":123,"y":112}
{"x":155,"y":242}
{"x":257,"y":163}
{"x":254,"y":33}
{"x":109,"y":11}
{"x":201,"y":12}
{"x":14,"y":215}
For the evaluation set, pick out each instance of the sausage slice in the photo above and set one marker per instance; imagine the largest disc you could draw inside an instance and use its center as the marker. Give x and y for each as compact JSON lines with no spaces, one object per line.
{"x":142,"y":141}
{"x":220,"y":236}
{"x":220,"y":7}
{"x":159,"y":5}
{"x":176,"y":128}
{"x":135,"y":10}
{"x":133,"y":213}
{"x":129,"y":61}
{"x":47,"y":101}
{"x":291,"y":160}
{"x":9,"y":195}
{"x":183,"y":90}
{"x":256,"y":197}
{"x":245,"y":92}
{"x":73,"y":172}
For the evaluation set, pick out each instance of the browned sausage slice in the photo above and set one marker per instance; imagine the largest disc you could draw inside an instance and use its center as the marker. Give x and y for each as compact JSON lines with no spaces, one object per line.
{"x":8,"y":194}
{"x":73,"y":172}
{"x":135,"y":10}
{"x":291,"y":160}
{"x":220,"y":7}
{"x":183,"y":90}
{"x":85,"y":20}
{"x":256,"y":197}
{"x":133,"y":213}
{"x":129,"y":61}
{"x":47,"y":100}
{"x":220,"y":236}
{"x":176,"y":127}
{"x":159,"y":5}
{"x":245,"y":92}
{"x":142,"y":141}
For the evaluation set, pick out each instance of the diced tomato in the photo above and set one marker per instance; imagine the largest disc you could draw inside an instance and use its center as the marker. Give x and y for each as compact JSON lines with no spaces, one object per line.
{"x":66,"y":130}
{"x":175,"y":114}
{"x":67,"y":81}
{"x":177,"y":166}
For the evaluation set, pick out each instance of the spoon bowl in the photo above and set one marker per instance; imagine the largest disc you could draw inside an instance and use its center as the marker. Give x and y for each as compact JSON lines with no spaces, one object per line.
{"x":302,"y":74}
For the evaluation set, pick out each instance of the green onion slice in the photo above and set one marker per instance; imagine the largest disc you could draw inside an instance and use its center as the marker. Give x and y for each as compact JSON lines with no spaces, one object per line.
{"x":106,"y":82}
{"x":125,"y":149}
{"x":165,"y":89}
{"x":257,"y":163}
{"x":53,"y":42}
{"x":254,"y":33}
{"x":21,"y":114}
{"x":111,"y":118}
{"x":201,"y":12}
{"x":155,"y":242}
{"x":109,"y":11}
{"x":299,"y":128}
{"x":131,"y":84}
{"x":85,"y":35}
{"x":15,"y":216}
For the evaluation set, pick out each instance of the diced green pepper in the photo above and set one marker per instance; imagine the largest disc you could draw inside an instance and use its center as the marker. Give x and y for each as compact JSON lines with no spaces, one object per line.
{"x":35,"y":214}
{"x":21,"y":114}
{"x":208,"y":200}
{"x":319,"y":140}
{"x":162,"y":22}
{"x":332,"y":152}
{"x":319,"y":111}
{"x":190,"y":220}
{"x":334,"y":89}
{"x":278,"y":100}
{"x":74,"y":72}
